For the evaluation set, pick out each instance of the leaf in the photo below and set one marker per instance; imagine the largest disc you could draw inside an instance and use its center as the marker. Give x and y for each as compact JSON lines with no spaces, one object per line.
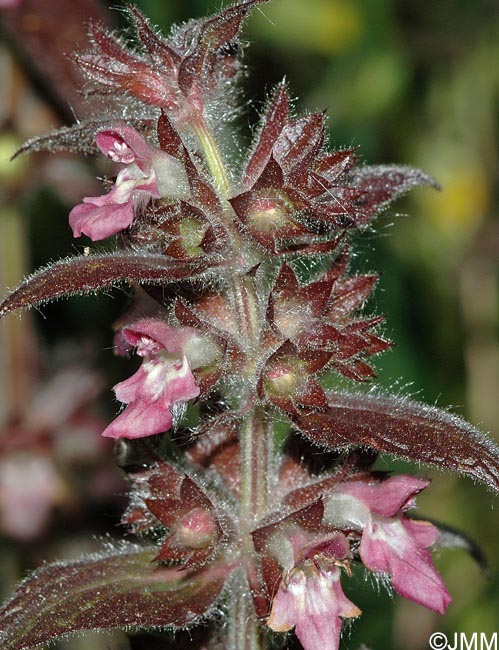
{"x":300,"y":140}
{"x":79,"y":138}
{"x":272,"y":125}
{"x":113,"y":65}
{"x":168,"y":137}
{"x":331,"y":166}
{"x":382,"y":184}
{"x":83,"y":274}
{"x":162,"y":55}
{"x":205,"y":62}
{"x":406,"y":429}
{"x":349,"y":294}
{"x":115,"y":589}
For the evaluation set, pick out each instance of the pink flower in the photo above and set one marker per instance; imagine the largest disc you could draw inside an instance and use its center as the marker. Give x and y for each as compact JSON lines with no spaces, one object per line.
{"x":310,"y":598}
{"x":303,"y":557}
{"x":391,"y":542}
{"x":164,"y":378}
{"x":148,"y":173}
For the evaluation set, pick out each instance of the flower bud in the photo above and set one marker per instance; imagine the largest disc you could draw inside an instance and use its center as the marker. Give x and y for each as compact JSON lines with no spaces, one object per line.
{"x":196,"y":529}
{"x":269,"y":213}
{"x":285,"y":377}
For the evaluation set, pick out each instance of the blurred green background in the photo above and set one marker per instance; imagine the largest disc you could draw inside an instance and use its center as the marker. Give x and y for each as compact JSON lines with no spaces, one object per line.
{"x":408,"y":82}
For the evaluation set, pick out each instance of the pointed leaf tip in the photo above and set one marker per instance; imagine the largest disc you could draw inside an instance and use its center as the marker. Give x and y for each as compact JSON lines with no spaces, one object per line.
{"x":405,"y":429}
{"x":380,"y":185}
{"x":85,"y":274}
{"x":78,"y":138}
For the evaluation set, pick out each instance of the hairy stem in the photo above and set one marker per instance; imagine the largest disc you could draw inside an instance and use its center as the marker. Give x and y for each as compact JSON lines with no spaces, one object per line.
{"x":244,"y":632}
{"x":254,"y":439}
{"x":213,"y":157}
{"x":255,"y":452}
{"x":254,"y":456}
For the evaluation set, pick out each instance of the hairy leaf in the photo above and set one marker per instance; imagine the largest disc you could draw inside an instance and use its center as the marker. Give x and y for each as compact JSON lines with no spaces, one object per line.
{"x":114,"y":66}
{"x":272,"y":124}
{"x":300,"y":141}
{"x":162,"y":55}
{"x":79,"y":138}
{"x":406,"y":429}
{"x":382,"y":184}
{"x":115,"y":589}
{"x":206,"y":61}
{"x":84,"y":274}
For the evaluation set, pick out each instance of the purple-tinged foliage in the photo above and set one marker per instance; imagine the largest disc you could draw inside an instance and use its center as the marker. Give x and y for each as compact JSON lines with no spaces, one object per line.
{"x":119,"y":588}
{"x":85,"y":274}
{"x":185,"y":76}
{"x":405,"y":429}
{"x":229,"y":330}
{"x":79,"y":138}
{"x":177,"y":503}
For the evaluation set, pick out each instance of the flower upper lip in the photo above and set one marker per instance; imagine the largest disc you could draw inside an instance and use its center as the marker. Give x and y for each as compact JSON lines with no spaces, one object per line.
{"x":164,"y":378}
{"x":148,"y":172}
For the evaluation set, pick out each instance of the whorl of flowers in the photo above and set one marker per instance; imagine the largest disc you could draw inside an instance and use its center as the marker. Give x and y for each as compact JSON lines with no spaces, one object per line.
{"x":231,"y":327}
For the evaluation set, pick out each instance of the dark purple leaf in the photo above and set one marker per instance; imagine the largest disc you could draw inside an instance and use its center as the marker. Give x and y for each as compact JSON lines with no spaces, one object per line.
{"x":406,"y":429}
{"x":355,"y":369}
{"x":299,"y":140}
{"x":79,"y":138}
{"x":308,"y":517}
{"x":382,"y":184}
{"x":114,"y":589}
{"x":199,"y":68}
{"x":333,"y":165}
{"x":84,"y":274}
{"x":162,"y":55}
{"x":112,"y":65}
{"x":349,"y":294}
{"x":272,"y":124}
{"x":169,"y":138}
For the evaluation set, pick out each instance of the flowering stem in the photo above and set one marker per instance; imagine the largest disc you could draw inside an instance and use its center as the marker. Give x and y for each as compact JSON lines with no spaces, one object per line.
{"x":243,"y":624}
{"x":254,"y":436}
{"x":254,"y":454}
{"x":254,"y":441}
{"x":213,"y":157}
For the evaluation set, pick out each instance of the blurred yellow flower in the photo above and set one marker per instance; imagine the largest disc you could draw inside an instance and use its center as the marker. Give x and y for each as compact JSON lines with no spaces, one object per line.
{"x":327,"y":27}
{"x":462,"y":204}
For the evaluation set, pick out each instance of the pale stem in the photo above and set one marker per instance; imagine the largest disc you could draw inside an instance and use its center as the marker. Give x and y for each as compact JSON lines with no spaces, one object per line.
{"x":213,"y":157}
{"x":244,"y":633}
{"x":254,"y":442}
{"x":255,"y":453}
{"x":255,"y":437}
{"x":244,"y":628}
